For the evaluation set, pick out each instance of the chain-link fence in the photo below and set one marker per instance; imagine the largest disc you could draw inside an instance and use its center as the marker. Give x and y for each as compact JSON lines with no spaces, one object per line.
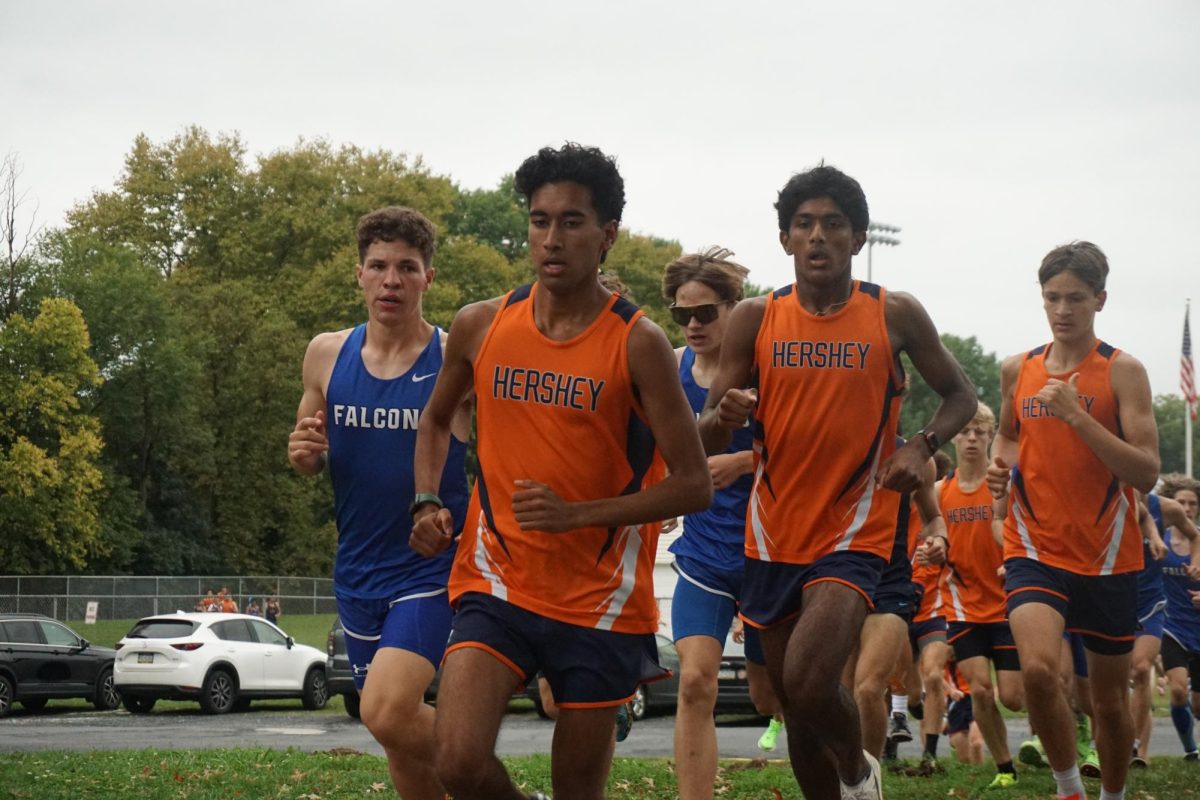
{"x":66,"y":597}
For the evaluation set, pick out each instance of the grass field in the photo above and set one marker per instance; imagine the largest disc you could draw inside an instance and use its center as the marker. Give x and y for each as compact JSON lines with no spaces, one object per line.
{"x":334,"y":775}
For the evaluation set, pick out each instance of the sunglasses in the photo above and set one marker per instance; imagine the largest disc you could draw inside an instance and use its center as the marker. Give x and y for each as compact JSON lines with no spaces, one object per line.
{"x":704,"y":314}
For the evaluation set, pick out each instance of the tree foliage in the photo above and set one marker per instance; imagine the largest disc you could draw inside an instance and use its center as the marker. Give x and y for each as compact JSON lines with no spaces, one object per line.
{"x":50,"y":483}
{"x":982,"y":367}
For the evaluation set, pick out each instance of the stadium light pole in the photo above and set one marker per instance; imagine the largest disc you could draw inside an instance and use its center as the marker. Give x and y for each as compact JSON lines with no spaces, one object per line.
{"x":879,"y":233}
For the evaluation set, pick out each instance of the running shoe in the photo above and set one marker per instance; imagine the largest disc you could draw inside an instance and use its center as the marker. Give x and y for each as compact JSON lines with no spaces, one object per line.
{"x":898,"y":730}
{"x":1137,"y":762}
{"x":871,"y":788}
{"x":1192,"y":756}
{"x":770,"y":737}
{"x":1031,"y":753}
{"x":1090,"y":766}
{"x":1003,"y":780}
{"x":624,"y":722}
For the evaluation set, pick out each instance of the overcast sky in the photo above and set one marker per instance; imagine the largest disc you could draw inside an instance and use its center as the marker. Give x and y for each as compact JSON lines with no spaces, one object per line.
{"x":989,"y":132}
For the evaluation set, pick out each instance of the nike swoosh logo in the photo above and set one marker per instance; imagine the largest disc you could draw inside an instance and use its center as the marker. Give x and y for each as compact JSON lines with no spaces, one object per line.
{"x":419,"y":378}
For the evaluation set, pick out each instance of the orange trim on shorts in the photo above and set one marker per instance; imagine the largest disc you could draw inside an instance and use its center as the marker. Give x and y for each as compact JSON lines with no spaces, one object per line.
{"x":1059,"y":595}
{"x":951,"y":639}
{"x":492,"y":652}
{"x":1106,"y":637}
{"x":844,"y":582}
{"x":761,"y":627}
{"x":601,"y":704}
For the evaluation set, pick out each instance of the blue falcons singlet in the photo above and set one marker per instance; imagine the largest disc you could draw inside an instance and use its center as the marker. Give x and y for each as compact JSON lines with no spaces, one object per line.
{"x":1183,"y":618}
{"x":372,"y":430}
{"x":1150,"y":579}
{"x":716,"y":536}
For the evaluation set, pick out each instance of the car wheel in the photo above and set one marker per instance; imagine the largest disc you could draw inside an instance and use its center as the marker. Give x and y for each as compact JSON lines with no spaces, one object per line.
{"x":352,"y":700}
{"x":138,"y":704}
{"x":639,"y":704}
{"x":107,"y":697}
{"x":6,"y":696}
{"x":316,"y":691}
{"x":34,"y":704}
{"x":218,"y":693}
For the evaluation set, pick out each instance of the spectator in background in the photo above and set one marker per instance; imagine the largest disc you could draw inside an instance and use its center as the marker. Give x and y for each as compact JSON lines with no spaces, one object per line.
{"x":253,"y":609}
{"x":227,"y":604}
{"x":273,"y":609}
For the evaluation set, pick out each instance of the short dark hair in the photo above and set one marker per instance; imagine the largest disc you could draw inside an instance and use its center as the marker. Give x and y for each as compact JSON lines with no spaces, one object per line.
{"x":823,"y":181}
{"x":587,"y":166}
{"x":715,"y":268}
{"x":1084,"y":260}
{"x":397,"y":223}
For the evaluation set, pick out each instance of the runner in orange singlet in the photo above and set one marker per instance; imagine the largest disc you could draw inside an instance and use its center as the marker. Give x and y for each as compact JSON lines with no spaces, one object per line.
{"x":574,"y":389}
{"x":820,"y":359}
{"x":1077,"y":427}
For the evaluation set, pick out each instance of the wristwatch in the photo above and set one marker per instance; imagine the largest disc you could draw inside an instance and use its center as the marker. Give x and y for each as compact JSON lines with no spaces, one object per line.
{"x":931,"y":440}
{"x":424,"y":498}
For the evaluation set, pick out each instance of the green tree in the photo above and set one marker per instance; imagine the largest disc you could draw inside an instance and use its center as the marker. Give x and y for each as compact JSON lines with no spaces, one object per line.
{"x":49,"y":448}
{"x":982,"y":367}
{"x":495,"y":217}
{"x":639,"y":261}
{"x":1169,"y":411}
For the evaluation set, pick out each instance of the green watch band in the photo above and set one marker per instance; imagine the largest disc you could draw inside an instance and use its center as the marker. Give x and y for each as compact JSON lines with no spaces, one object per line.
{"x":424,"y":498}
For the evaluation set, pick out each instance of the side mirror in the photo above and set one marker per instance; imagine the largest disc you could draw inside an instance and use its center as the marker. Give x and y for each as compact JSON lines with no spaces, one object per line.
{"x":84,"y":644}
{"x":290,"y":642}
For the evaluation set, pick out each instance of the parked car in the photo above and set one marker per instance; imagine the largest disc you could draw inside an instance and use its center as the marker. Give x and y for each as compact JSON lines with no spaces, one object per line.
{"x":662,"y":694}
{"x":338,"y":675}
{"x":42,"y":659}
{"x":733,"y":687}
{"x":224,"y":661}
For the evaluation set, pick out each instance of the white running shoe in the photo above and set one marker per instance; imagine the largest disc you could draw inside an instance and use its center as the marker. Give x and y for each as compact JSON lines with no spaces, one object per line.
{"x":871,"y":788}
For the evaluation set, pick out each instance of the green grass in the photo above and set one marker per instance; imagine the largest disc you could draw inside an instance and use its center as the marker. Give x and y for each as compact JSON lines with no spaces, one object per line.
{"x":332,"y":775}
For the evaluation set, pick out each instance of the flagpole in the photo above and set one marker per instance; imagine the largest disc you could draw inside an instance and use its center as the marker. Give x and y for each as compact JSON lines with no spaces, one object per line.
{"x":1187,"y":415}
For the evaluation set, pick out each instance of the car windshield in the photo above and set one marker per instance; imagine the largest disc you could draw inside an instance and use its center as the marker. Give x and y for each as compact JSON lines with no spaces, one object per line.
{"x":161,"y":629}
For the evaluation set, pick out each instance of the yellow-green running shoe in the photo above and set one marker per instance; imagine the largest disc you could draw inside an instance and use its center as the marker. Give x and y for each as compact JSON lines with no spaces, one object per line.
{"x":1003,"y":780}
{"x":1032,"y":753}
{"x":770,"y":736}
{"x":1090,"y":766}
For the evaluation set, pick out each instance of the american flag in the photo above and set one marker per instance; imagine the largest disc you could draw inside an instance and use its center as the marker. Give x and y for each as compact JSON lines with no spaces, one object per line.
{"x":1187,"y":377}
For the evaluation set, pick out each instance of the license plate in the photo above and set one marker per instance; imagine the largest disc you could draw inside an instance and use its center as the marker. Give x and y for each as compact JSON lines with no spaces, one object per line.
{"x":725,"y":675}
{"x":145,"y":658}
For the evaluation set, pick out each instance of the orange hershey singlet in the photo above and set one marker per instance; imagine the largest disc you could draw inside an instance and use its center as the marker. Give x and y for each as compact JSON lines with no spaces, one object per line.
{"x":562,"y":413}
{"x":1065,"y":508}
{"x":930,"y":577}
{"x":827,"y":415}
{"x":974,"y":592}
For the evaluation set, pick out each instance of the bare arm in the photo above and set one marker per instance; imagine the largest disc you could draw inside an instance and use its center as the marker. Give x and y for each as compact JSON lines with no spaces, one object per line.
{"x":729,"y":404}
{"x":433,"y":528}
{"x":1132,"y":457}
{"x":935,"y":544}
{"x":1004,"y":446}
{"x":1158,"y":548}
{"x":307,"y":443}
{"x":912,"y":331}
{"x":687,"y":487}
{"x":1175,"y":517}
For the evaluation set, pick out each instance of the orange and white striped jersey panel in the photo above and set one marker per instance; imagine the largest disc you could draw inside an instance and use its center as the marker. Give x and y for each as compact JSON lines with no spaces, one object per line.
{"x":829,"y":400}
{"x":564,"y":414}
{"x":930,"y":577}
{"x":1065,"y":507}
{"x":973,"y":592}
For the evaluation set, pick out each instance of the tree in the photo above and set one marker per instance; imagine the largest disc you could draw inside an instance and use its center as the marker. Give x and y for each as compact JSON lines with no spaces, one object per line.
{"x":16,"y":236}
{"x":1169,"y":410}
{"x":495,"y":217}
{"x":982,"y":368}
{"x":49,"y":479}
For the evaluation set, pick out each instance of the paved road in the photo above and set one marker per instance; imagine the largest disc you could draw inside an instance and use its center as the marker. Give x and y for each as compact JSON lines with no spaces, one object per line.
{"x":284,"y":726}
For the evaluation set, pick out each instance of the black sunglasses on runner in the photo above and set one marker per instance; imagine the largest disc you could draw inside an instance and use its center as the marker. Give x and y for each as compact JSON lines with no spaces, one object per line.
{"x":704,"y":314}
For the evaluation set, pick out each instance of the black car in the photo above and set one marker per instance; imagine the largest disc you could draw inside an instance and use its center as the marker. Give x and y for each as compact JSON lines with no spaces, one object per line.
{"x":42,"y":659}
{"x":339,"y":678}
{"x":733,"y":689}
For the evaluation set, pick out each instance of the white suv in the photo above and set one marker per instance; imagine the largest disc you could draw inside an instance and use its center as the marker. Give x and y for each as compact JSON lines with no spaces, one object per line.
{"x":222,"y":660}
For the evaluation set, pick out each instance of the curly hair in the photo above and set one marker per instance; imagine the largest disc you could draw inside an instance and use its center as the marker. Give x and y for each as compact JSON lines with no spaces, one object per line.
{"x":1173,"y":483}
{"x":714,"y":268}
{"x":397,"y":223}
{"x":612,"y":281}
{"x":823,"y":181}
{"x":587,"y":166}
{"x":1084,"y":260}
